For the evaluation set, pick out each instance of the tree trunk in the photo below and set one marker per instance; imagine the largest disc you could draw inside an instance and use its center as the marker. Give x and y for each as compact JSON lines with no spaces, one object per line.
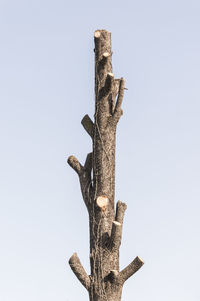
{"x":97,"y":180}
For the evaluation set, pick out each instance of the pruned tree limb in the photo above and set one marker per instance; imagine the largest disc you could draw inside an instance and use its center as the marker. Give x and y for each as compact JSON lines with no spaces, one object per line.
{"x":120,"y":210}
{"x":88,"y":162}
{"x":88,"y":125}
{"x":131,"y":269}
{"x":84,"y":173}
{"x":79,"y":271}
{"x":75,"y":164}
{"x":118,"y":111}
{"x":115,"y":91}
{"x":116,"y":236}
{"x":97,"y":36}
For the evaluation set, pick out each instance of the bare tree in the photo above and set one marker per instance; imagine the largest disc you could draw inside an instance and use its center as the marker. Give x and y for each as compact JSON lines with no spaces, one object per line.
{"x":97,"y":181}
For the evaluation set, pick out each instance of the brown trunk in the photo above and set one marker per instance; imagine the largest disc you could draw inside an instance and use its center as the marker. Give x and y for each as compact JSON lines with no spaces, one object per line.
{"x":97,"y":180}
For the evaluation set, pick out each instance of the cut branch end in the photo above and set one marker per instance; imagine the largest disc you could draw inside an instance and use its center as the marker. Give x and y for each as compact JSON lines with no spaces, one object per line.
{"x":106,"y":54}
{"x":97,"y":34}
{"x":140,"y":260}
{"x":110,"y":74}
{"x":75,"y":164}
{"x":102,"y":202}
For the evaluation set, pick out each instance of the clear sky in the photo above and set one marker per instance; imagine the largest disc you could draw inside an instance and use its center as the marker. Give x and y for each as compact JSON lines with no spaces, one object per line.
{"x":46,"y":87}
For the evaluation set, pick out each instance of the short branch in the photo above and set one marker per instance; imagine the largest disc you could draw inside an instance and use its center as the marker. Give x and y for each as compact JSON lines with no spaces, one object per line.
{"x":116,"y":235}
{"x":88,"y":163}
{"x":85,"y":179}
{"x":121,"y":208}
{"x":132,"y":268}
{"x":75,"y":164}
{"x":84,"y":174}
{"x":115,"y":91}
{"x":79,"y":271}
{"x":118,"y":110}
{"x":88,"y":125}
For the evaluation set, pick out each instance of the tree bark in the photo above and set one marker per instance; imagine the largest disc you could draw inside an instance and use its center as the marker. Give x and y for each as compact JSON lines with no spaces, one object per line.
{"x":97,"y":181}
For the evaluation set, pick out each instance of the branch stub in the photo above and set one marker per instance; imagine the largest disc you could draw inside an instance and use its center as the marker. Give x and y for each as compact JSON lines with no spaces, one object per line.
{"x":102,"y":202}
{"x":106,"y":54}
{"x":97,"y":34}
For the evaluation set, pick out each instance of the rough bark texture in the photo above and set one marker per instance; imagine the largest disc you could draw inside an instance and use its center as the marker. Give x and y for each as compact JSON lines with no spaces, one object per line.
{"x":97,"y":181}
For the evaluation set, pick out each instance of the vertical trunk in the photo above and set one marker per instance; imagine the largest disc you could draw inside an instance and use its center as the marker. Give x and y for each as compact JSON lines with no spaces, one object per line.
{"x":97,"y":180}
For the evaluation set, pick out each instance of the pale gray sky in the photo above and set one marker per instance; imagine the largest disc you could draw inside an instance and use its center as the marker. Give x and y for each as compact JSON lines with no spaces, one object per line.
{"x":46,"y":87}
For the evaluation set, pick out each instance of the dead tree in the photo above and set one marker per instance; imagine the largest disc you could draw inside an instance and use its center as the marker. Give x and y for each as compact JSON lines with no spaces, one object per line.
{"x":97,"y":181}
